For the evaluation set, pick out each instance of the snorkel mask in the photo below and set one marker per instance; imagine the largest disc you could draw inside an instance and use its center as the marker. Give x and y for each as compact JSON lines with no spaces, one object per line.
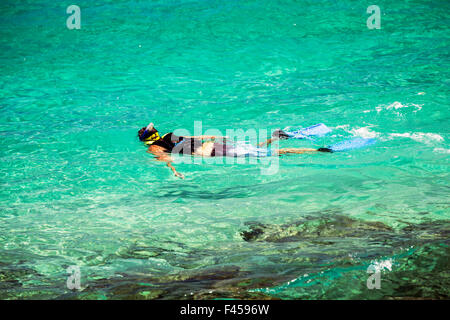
{"x":150,"y":135}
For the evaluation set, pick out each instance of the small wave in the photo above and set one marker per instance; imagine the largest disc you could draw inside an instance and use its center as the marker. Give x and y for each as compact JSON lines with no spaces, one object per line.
{"x":426,"y":138}
{"x":441,"y":150}
{"x":364,"y":132}
{"x":398,"y":105}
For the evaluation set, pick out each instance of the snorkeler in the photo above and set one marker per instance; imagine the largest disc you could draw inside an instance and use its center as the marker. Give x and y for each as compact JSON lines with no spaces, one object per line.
{"x":206,"y":146}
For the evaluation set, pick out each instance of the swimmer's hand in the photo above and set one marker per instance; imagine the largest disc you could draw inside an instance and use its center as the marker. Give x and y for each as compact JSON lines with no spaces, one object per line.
{"x":179,"y":175}
{"x":175,"y":172}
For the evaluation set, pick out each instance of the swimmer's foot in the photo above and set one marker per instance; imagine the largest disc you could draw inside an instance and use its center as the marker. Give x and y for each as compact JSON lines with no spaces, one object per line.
{"x":280,"y":134}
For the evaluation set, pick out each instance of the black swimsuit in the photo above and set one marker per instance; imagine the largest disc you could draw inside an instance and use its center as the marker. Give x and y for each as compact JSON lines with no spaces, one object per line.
{"x":183,"y":145}
{"x":167,"y":141}
{"x":177,"y":144}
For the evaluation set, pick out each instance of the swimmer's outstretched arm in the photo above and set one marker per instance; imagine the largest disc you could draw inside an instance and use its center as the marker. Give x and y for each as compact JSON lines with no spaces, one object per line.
{"x":162,"y":156}
{"x":203,"y":137}
{"x":175,"y":172}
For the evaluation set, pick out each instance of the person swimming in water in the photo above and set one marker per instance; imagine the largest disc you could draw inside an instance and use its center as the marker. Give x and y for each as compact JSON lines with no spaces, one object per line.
{"x":206,"y":146}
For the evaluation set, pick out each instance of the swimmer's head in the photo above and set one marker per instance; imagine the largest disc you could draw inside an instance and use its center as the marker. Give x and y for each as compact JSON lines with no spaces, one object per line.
{"x":148,"y":133}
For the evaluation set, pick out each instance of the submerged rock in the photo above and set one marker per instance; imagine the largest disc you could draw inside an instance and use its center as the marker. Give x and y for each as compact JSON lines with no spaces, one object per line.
{"x":337,"y":226}
{"x":180,"y":285}
{"x":12,"y":276}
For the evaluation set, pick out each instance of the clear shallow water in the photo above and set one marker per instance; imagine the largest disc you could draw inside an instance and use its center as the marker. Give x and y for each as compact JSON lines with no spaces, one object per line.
{"x":78,"y":188}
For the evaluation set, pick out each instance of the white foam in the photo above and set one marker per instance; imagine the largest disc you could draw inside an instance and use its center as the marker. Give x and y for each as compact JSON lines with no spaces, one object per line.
{"x":273,"y":73}
{"x":420,"y":136}
{"x":379,"y":266}
{"x":442,"y":150}
{"x":417,"y":106}
{"x":398,"y":105}
{"x":364,"y":132}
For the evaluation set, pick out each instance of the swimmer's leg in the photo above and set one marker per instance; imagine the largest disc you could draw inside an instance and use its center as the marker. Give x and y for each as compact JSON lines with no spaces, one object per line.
{"x":300,"y":150}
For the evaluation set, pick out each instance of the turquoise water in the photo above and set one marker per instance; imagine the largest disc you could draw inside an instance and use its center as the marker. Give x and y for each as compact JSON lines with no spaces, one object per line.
{"x":79,"y":189}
